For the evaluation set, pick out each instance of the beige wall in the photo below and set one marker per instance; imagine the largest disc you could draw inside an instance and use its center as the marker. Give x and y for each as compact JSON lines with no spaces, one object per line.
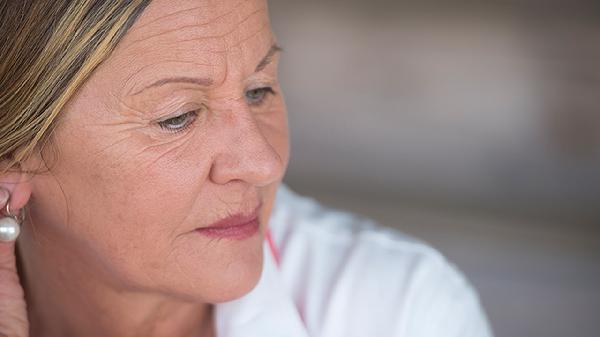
{"x":493,"y":105}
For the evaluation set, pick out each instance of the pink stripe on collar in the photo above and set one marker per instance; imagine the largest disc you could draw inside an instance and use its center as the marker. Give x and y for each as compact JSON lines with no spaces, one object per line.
{"x":273,"y":247}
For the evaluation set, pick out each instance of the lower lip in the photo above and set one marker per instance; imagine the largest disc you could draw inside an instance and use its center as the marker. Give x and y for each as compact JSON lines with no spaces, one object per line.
{"x":240,"y":232}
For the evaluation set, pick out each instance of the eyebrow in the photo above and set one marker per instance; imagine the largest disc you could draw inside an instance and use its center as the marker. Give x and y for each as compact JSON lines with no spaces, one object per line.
{"x":268,"y":58}
{"x":181,"y":79}
{"x":206,"y":82}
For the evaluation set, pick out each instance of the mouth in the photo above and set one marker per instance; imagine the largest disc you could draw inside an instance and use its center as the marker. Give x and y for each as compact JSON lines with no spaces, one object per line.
{"x":236,"y":227}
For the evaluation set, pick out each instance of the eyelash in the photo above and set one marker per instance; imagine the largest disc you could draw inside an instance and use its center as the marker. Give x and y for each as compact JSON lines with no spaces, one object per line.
{"x":166,"y":124}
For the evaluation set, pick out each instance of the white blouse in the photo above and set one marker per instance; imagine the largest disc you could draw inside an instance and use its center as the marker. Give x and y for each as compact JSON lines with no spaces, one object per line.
{"x":329,"y":273}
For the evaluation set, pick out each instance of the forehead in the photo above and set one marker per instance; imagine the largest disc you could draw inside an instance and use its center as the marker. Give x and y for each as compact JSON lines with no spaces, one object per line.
{"x":186,"y":38}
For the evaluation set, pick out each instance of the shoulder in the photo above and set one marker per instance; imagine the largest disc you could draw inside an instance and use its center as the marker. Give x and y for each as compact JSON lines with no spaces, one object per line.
{"x":349,"y":276}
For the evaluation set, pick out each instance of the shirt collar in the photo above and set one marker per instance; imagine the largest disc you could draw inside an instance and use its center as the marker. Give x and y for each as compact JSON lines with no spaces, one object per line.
{"x":267,"y":310}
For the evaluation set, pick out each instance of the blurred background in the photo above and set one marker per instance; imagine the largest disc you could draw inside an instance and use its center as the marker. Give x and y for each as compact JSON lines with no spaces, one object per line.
{"x":472,"y":125}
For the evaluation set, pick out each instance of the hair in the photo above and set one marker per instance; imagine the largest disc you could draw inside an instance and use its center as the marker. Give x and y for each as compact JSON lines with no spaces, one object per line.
{"x":48,"y":48}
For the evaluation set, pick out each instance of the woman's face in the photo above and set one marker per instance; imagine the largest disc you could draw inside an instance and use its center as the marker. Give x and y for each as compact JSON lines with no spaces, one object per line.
{"x":183,"y":125}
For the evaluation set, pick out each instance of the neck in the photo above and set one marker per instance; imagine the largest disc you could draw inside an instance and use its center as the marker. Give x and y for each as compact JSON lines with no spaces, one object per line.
{"x":66,"y":298}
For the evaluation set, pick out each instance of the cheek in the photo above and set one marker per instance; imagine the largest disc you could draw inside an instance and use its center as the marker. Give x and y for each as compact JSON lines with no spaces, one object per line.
{"x":155,"y":184}
{"x":274,"y":127}
{"x":128,"y":202}
{"x":152,"y":189}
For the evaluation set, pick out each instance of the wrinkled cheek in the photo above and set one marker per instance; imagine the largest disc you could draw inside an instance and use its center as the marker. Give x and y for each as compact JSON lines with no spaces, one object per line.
{"x":127,"y":202}
{"x":140,"y":181}
{"x":156,"y":192}
{"x":161,"y":186}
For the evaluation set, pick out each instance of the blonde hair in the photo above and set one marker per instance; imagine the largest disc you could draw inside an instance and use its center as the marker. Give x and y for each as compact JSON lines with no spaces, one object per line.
{"x":48,"y":48}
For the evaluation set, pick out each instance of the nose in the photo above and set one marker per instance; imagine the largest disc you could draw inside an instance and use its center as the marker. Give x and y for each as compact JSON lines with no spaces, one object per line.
{"x":246,"y":154}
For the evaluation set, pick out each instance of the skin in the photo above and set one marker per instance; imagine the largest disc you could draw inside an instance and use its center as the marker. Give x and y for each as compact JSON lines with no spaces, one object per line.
{"x":110,"y":248}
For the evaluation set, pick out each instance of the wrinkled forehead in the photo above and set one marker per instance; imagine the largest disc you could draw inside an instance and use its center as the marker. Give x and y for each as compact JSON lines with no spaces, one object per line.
{"x":208,"y":38}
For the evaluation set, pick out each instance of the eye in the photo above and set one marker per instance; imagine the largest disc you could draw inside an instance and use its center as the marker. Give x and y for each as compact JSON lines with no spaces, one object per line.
{"x":256,"y":97}
{"x":179,"y":123}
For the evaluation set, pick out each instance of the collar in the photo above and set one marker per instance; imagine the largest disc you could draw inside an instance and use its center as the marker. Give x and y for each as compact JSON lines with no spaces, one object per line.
{"x":267,"y":310}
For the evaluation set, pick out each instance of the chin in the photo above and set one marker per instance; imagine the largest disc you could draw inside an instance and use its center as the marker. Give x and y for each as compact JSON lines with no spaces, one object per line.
{"x":237,"y":280}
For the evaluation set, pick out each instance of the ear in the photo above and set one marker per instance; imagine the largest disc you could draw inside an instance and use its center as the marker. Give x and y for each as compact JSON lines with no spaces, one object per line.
{"x":19,"y":186}
{"x":18,"y":182}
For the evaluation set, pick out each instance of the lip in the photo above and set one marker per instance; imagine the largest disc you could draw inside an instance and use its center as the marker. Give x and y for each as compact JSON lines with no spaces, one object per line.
{"x":237,"y":227}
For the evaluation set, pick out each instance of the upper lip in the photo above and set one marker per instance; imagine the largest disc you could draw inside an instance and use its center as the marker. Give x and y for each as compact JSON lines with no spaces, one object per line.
{"x":235,"y":220}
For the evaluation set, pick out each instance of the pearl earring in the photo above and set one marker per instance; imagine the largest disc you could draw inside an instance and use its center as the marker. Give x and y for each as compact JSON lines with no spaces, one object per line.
{"x":9,"y":226}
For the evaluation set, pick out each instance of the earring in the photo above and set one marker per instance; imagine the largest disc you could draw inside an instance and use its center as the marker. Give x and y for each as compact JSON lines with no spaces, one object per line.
{"x":9,"y":226}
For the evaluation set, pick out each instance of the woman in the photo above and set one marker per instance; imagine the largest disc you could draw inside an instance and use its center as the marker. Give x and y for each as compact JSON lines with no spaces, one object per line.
{"x":142,"y":146}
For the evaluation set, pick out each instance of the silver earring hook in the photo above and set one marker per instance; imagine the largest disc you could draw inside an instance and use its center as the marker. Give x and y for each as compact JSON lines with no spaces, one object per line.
{"x":8,"y":209}
{"x":14,"y":216}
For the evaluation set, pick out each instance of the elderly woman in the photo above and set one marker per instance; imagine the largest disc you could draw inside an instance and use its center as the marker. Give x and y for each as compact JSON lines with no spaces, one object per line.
{"x":142,"y":147}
